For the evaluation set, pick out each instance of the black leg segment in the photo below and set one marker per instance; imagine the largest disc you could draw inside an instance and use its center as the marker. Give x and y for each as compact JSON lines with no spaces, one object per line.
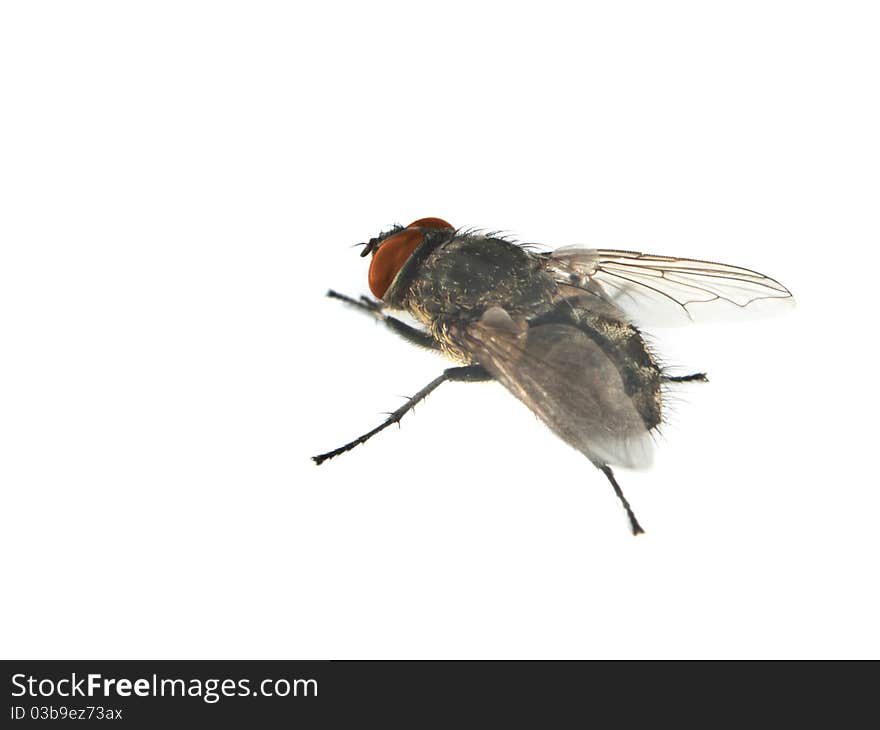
{"x":695,"y":377}
{"x":466,"y":374}
{"x":374,"y":308}
{"x":633,"y":522}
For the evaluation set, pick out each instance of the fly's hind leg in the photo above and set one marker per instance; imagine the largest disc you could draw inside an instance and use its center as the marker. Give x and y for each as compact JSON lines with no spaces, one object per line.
{"x":466,"y":374}
{"x":633,"y":522}
{"x":374,"y":308}
{"x":695,"y":377}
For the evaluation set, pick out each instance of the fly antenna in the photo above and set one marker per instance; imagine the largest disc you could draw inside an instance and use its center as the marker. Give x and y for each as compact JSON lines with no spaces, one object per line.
{"x":369,"y":247}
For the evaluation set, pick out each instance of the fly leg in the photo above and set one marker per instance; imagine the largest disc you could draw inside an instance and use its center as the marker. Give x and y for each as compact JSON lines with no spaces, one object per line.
{"x":466,"y":374}
{"x":699,"y":377}
{"x":411,"y":334}
{"x":633,"y":522}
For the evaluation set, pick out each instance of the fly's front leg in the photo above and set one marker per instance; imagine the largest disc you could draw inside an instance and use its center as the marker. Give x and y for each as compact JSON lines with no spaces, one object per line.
{"x":374,"y":308}
{"x":466,"y":374}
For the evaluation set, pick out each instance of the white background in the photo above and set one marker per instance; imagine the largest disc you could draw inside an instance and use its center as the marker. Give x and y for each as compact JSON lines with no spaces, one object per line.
{"x":181,"y":182}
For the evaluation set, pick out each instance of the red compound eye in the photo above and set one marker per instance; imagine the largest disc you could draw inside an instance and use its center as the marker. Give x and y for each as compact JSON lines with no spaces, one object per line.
{"x":429,"y":223}
{"x":390,"y":258}
{"x":392,"y":254}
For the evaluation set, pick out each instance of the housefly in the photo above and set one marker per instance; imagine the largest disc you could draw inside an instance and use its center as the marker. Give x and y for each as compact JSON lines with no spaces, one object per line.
{"x":559,"y":330}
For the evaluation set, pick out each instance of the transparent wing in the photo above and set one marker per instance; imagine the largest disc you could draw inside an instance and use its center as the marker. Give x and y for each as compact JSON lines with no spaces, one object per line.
{"x":567,"y":381}
{"x":663,"y":290}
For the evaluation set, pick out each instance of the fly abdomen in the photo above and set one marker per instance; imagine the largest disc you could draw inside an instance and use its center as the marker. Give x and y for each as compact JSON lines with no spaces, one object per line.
{"x":623,"y":344}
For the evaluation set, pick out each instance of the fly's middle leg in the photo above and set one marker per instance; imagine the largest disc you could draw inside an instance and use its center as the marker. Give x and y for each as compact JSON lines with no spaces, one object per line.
{"x":374,"y":308}
{"x":466,"y":374}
